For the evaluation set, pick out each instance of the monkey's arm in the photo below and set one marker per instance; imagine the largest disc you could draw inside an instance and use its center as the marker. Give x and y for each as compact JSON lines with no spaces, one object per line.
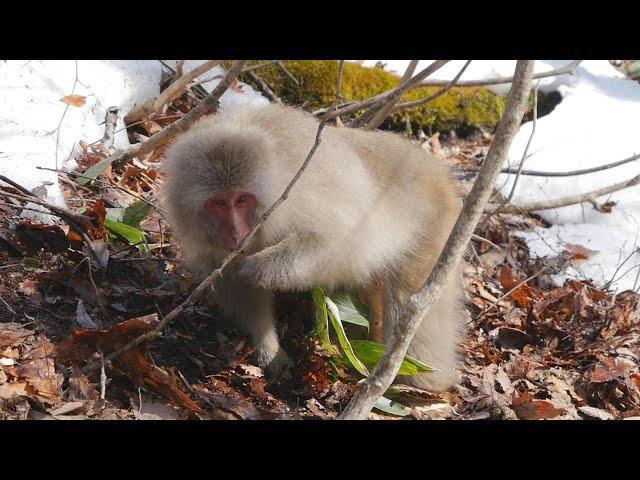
{"x":288,"y":265}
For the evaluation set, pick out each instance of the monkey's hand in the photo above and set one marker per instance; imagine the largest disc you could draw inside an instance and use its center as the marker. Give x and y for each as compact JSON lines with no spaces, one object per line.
{"x":287,"y":265}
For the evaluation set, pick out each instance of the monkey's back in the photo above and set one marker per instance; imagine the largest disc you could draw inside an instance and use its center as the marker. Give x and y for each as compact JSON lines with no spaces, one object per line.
{"x":361,"y":188}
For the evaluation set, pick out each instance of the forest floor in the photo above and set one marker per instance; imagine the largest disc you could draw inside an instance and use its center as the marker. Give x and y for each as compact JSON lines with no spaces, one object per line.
{"x":532,"y":350}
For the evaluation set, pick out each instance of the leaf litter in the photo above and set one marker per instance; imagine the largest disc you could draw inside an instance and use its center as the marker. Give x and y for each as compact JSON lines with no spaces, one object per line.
{"x":532,"y":351}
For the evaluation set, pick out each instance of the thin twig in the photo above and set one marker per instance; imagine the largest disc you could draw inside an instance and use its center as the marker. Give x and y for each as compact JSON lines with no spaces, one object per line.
{"x":67,"y":216}
{"x":287,"y":72}
{"x":526,"y":149}
{"x":57,"y":130}
{"x":482,"y":239}
{"x":566,"y":201}
{"x":422,"y":101}
{"x":208,"y":105}
{"x":173,"y":91}
{"x":376,"y":114}
{"x":355,"y":106}
{"x":567,"y":69}
{"x":8,"y":306}
{"x":526,"y":280}
{"x":264,"y":88}
{"x":106,"y":184}
{"x":245,"y":70}
{"x":371,"y":388}
{"x":56,"y":211}
{"x":572,"y":173}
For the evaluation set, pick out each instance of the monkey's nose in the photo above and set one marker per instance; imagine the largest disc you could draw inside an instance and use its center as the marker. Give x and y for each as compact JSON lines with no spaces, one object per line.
{"x":236,"y":241}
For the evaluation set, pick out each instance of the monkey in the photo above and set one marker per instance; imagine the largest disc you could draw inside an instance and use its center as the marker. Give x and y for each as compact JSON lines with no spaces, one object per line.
{"x":371,"y":212}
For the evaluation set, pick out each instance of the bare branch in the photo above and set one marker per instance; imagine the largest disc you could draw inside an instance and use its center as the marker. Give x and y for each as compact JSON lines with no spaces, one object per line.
{"x":538,"y":173}
{"x":371,"y":388}
{"x":526,"y":149}
{"x":208,"y":105}
{"x":71,"y":218}
{"x":355,"y":106}
{"x":411,"y":68}
{"x":567,"y":69}
{"x":208,"y":282}
{"x":57,"y":130}
{"x":566,"y":201}
{"x":422,"y":101}
{"x":173,"y":91}
{"x":287,"y":72}
{"x":264,"y":88}
{"x":351,"y":107}
{"x":74,"y":175}
{"x":246,"y":70}
{"x":373,"y":117}
{"x":506,"y":294}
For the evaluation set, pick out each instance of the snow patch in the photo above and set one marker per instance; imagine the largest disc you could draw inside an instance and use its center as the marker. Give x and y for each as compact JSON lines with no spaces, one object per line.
{"x":39,"y":130}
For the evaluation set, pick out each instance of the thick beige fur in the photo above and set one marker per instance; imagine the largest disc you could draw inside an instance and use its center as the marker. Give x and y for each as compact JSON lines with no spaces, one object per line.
{"x":371,"y":207}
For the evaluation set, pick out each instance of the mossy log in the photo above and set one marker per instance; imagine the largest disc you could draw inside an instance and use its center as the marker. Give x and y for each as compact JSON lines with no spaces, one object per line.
{"x":460,"y":109}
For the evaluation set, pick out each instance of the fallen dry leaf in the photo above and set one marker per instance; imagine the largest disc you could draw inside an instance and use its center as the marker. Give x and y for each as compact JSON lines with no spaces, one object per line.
{"x":527,"y":408}
{"x":74,"y":100}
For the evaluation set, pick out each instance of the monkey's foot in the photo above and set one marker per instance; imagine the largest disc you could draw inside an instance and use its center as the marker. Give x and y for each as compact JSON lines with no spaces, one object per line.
{"x":280,"y":366}
{"x":274,"y":365}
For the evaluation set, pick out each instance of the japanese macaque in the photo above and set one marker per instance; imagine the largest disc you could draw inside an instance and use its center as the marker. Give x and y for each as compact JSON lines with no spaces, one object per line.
{"x":371,"y":212}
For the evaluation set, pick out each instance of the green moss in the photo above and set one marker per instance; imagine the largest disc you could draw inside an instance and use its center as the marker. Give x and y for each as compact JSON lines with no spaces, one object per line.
{"x":460,"y":109}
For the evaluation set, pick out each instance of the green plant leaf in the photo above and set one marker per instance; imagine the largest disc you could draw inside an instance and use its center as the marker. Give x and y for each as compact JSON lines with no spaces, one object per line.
{"x":129,"y":233}
{"x":334,"y":316}
{"x":371,"y":352}
{"x":135,"y":213}
{"x":392,"y":407}
{"x":322,"y":320}
{"x":30,"y":263}
{"x":351,"y":309}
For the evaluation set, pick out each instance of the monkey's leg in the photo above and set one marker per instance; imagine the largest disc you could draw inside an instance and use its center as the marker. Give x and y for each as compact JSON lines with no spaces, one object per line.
{"x":251,"y":310}
{"x":288,"y":265}
{"x":436,"y":340}
{"x":373,"y":297}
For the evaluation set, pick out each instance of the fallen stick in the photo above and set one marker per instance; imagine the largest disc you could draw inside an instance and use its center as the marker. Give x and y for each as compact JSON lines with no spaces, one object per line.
{"x":72,"y":219}
{"x":566,"y":201}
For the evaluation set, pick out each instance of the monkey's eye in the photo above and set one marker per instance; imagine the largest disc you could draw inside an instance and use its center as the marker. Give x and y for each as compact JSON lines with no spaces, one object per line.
{"x":241,"y":199}
{"x":219,"y":203}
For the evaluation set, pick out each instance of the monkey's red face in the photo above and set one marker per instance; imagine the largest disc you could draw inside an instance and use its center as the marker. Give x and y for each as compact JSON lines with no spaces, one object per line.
{"x":232,"y":214}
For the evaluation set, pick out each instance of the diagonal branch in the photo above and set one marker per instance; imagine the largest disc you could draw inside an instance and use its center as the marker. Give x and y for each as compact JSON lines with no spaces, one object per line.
{"x":72,"y":219}
{"x":351,"y":107}
{"x":422,"y":101}
{"x":371,"y":388}
{"x":173,"y":91}
{"x":567,"y":69}
{"x":208,"y":105}
{"x":373,"y":117}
